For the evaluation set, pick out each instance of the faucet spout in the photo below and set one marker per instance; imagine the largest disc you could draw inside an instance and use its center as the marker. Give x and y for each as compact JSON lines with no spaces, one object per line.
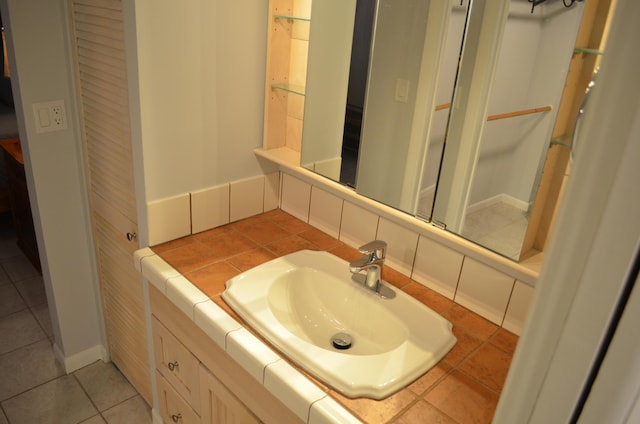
{"x":374,"y":272}
{"x":372,"y":262}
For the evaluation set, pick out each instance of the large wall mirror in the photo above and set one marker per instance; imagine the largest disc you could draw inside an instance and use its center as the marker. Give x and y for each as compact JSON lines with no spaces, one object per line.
{"x":442,"y":109}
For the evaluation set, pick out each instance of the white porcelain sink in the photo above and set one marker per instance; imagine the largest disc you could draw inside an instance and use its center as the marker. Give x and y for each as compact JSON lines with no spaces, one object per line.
{"x":299,"y":302}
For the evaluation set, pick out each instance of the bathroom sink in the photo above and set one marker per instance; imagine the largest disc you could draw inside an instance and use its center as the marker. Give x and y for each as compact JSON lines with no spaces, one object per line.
{"x":312,"y":309}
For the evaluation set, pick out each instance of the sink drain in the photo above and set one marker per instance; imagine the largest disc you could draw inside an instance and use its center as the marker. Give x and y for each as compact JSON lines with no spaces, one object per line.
{"x":341,"y":341}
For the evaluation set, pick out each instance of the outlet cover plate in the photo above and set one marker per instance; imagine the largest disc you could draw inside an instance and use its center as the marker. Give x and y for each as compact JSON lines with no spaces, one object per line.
{"x":50,"y":116}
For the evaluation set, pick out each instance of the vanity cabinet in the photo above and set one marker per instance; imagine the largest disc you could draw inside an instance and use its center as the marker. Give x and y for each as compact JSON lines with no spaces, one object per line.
{"x":197,"y":381}
{"x":177,"y":376}
{"x":173,"y":407}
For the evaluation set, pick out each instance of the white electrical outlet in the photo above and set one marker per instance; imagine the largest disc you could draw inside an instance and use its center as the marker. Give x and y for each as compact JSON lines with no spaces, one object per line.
{"x":50,"y":116}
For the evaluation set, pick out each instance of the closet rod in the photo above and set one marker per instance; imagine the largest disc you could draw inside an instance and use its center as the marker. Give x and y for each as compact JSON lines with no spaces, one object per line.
{"x":519,"y":113}
{"x":505,"y":115}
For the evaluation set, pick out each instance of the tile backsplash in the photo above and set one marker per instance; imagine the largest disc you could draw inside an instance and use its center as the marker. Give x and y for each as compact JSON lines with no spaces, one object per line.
{"x":489,"y":291}
{"x":437,"y":267}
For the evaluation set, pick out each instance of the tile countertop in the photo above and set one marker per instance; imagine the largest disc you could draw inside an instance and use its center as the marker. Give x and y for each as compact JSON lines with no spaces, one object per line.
{"x":463,"y":387}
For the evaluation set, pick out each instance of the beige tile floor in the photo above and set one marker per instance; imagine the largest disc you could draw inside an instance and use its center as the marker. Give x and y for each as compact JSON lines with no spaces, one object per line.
{"x":34,"y":388}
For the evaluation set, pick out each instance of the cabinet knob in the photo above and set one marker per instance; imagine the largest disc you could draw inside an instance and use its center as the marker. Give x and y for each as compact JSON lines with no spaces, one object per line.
{"x":176,"y":417}
{"x":172,"y":365}
{"x":132,"y":236}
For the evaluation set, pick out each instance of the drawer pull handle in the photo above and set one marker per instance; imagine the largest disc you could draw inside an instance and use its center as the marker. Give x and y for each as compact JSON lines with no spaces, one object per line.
{"x":175,"y":418}
{"x":172,"y":365}
{"x":132,"y":236}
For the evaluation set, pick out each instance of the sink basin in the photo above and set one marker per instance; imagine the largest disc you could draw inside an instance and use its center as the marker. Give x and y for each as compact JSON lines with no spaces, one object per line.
{"x":309,"y":306}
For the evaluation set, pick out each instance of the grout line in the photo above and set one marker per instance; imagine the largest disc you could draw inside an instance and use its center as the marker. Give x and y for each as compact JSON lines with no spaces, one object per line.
{"x":44,"y":330}
{"x":46,"y":337}
{"x":34,"y":387}
{"x":469,"y":355}
{"x":73,"y":374}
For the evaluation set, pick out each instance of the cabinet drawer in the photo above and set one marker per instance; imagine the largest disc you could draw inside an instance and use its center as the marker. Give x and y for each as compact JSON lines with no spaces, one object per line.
{"x":176,"y":363}
{"x":219,"y":405}
{"x":173,"y":408}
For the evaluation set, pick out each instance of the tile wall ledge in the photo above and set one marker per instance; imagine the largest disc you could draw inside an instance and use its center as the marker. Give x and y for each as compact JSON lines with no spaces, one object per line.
{"x":526,"y":271}
{"x":311,"y":404}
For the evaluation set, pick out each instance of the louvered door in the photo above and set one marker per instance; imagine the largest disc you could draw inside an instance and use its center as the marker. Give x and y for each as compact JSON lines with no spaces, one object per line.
{"x":102,"y":76}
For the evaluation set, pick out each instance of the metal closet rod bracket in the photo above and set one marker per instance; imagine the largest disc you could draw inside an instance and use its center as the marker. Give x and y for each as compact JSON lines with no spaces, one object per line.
{"x":567,"y":3}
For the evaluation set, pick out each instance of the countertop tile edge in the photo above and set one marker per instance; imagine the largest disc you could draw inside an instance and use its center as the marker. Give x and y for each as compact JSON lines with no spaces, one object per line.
{"x":185,"y":295}
{"x":215,"y":322}
{"x":250,"y":352}
{"x":328,"y":411}
{"x":157,"y":271}
{"x":292,"y":388}
{"x":139,"y":255}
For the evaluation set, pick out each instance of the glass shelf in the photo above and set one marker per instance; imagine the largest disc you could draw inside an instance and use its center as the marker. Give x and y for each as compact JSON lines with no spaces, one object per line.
{"x":564,"y":141}
{"x":289,"y":88}
{"x":293,"y":18}
{"x":298,"y":26}
{"x":588,"y":51}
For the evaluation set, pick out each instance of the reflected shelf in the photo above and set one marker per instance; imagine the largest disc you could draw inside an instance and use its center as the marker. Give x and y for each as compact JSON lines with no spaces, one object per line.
{"x":280,"y":155}
{"x":289,"y":88}
{"x":588,"y":51}
{"x":293,"y":18}
{"x":564,"y":140}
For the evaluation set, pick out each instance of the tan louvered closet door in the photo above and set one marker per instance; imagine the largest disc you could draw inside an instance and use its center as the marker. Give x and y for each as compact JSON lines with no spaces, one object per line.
{"x":102,"y":76}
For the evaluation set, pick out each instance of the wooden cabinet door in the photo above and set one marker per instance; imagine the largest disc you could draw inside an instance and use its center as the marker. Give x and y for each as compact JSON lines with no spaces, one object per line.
{"x":218,"y":405}
{"x":176,"y":363}
{"x":173,"y":407}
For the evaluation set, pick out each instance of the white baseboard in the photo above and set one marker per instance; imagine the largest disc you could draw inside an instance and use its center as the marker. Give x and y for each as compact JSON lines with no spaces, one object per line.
{"x":81,"y":359}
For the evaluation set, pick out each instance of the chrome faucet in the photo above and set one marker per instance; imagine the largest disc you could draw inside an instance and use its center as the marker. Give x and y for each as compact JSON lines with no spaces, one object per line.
{"x":373,"y":262}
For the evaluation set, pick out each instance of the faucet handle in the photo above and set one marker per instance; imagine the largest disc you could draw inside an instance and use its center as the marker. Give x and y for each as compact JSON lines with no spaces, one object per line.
{"x":377,"y":248}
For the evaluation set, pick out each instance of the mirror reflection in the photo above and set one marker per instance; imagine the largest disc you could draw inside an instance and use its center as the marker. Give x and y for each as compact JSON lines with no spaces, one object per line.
{"x":499,"y":131}
{"x":503,"y":65}
{"x":402,"y":85}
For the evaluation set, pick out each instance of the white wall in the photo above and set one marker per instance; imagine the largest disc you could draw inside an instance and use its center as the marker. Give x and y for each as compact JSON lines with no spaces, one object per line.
{"x":41,"y":71}
{"x":201,"y":68}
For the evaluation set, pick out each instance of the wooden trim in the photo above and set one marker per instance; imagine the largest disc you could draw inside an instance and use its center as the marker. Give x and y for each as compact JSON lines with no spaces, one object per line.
{"x":507,"y":114}
{"x":592,"y":34}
